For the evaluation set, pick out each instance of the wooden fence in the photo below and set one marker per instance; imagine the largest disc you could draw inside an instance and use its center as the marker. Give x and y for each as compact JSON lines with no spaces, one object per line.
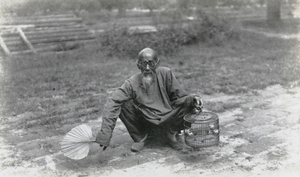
{"x":42,"y":33}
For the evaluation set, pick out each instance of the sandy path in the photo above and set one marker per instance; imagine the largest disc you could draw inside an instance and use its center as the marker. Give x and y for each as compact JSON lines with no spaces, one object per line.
{"x":267,"y":145}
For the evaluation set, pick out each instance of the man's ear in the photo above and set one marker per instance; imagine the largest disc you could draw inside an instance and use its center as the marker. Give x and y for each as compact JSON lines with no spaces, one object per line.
{"x":137,"y":64}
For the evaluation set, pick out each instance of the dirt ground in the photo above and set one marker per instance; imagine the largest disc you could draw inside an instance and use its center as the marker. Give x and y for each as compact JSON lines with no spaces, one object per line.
{"x":258,"y":138}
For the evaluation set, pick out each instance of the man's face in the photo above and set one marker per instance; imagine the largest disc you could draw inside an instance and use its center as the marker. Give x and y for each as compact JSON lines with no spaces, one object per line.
{"x":147,"y":65}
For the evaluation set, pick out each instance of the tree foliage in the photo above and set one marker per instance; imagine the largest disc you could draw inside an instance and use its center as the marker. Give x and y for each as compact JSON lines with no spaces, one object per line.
{"x":152,"y":4}
{"x":109,"y":5}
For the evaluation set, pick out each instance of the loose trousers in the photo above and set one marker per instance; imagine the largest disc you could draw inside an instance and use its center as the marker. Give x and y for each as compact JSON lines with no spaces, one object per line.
{"x":138,"y":126}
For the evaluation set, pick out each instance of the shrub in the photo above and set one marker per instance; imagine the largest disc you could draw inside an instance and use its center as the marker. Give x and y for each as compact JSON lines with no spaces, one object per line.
{"x":213,"y":30}
{"x":117,"y":41}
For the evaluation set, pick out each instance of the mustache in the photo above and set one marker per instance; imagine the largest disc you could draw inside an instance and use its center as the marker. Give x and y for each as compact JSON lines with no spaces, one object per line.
{"x":147,"y":72}
{"x":147,"y":81}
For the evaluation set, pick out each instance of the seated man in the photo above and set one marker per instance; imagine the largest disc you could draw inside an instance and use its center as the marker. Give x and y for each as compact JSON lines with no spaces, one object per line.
{"x":153,"y":96}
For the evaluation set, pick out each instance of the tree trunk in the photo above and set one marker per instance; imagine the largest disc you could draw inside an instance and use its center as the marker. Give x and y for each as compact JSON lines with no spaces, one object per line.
{"x":273,"y":11}
{"x":150,"y":12}
{"x":121,"y":12}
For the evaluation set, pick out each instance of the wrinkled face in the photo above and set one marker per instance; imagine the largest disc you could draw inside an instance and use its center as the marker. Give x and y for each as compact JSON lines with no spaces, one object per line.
{"x":147,"y":65}
{"x":147,"y":61}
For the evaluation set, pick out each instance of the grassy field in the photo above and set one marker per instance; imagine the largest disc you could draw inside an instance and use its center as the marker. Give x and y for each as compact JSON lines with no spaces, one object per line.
{"x":73,"y":85}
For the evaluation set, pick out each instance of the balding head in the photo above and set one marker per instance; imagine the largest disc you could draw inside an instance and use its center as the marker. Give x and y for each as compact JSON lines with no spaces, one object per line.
{"x":148,"y":54}
{"x":147,"y":60}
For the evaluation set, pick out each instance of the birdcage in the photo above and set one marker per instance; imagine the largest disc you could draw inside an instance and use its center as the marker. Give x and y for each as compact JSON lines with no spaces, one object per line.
{"x":201,"y":130}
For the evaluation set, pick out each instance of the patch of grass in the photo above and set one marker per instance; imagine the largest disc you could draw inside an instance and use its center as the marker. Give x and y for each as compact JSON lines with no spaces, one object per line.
{"x":52,"y":86}
{"x":254,"y":62}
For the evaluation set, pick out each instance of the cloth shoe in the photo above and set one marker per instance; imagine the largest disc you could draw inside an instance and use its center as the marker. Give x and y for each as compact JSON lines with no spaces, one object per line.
{"x":172,"y":141}
{"x":137,"y":146}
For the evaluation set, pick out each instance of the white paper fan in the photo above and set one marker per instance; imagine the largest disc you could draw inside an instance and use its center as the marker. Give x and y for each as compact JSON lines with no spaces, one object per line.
{"x":76,"y":143}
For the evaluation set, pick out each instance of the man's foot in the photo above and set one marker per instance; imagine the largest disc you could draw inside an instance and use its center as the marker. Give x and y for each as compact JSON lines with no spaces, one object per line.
{"x":172,"y":141}
{"x":137,"y":146}
{"x":175,"y":145}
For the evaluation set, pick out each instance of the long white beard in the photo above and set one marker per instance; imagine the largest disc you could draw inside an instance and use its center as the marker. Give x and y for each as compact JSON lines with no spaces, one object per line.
{"x":147,"y":81}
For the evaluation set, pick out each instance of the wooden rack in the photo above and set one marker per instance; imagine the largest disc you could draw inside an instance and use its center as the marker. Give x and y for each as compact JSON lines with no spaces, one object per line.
{"x":42,"y":33}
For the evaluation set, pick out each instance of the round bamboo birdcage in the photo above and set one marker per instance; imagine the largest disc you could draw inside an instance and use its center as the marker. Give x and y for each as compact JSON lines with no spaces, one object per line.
{"x":201,"y":130}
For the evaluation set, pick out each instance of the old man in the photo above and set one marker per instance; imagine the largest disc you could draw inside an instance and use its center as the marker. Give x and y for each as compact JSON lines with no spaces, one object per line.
{"x":152,"y":97}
